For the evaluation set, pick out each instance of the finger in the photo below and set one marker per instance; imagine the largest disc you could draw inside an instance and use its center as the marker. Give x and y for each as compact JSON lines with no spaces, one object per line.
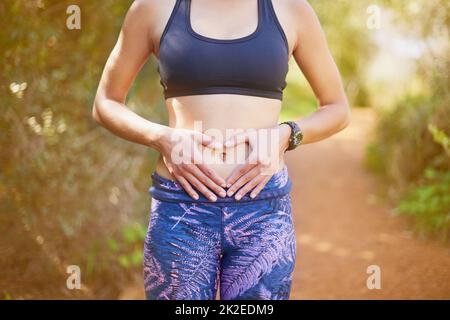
{"x":205,"y":180}
{"x":243,"y":180}
{"x":204,"y":154}
{"x":186,"y":186}
{"x":201,"y":137}
{"x":199,"y":186}
{"x":260,"y":186}
{"x":248,"y":187}
{"x":238,"y":172}
{"x":207,"y":141}
{"x":197,"y":154}
{"x":215,"y":145}
{"x":236,"y":139}
{"x":212,"y":174}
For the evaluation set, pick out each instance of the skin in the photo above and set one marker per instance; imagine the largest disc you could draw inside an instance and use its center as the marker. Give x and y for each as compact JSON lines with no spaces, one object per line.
{"x":215,"y":157}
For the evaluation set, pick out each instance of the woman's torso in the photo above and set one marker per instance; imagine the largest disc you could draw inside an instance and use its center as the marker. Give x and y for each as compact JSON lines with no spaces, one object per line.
{"x":217,"y":114}
{"x":222,"y":110}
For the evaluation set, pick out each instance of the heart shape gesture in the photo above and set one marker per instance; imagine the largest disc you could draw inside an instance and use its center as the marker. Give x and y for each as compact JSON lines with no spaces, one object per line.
{"x":182,"y":153}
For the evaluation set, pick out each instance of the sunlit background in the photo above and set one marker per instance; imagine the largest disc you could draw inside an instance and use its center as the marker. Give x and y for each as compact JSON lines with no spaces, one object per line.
{"x":378,"y":193}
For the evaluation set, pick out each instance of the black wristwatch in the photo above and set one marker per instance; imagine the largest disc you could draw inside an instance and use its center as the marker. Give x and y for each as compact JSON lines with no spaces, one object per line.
{"x":296,"y":137}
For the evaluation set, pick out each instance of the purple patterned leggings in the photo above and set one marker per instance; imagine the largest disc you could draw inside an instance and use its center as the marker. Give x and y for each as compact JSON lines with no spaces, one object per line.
{"x":246,"y":247}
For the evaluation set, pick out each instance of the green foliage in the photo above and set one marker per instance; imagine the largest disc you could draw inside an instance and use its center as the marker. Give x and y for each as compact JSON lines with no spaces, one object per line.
{"x":411,"y":154}
{"x":66,"y":184}
{"x":130,"y":248}
{"x":404,"y":146}
{"x":344,"y":23}
{"x":411,"y":147}
{"x":429,"y":204}
{"x":440,"y":137}
{"x":127,"y":246}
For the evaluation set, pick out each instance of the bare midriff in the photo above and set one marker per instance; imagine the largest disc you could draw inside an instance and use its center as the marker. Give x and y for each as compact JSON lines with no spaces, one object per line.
{"x":218,"y":115}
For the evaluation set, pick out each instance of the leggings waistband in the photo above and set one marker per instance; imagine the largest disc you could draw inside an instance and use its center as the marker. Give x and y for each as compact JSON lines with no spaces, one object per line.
{"x":168,"y":190}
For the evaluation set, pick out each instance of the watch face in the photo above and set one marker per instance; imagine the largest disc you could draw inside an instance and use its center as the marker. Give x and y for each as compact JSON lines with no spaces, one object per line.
{"x":297,"y":138}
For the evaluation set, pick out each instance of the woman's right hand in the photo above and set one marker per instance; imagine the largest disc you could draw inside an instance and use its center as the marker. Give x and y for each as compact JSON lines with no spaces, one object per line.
{"x":182,"y":152}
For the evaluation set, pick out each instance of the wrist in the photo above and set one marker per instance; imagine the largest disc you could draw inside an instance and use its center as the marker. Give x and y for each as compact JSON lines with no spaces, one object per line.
{"x":284,"y":135}
{"x":296,"y":136}
{"x":160,"y":138}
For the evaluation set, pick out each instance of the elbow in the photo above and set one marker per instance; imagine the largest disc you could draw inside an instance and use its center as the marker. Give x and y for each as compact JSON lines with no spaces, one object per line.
{"x":344,"y":114}
{"x":95,"y":114}
{"x":346,"y":117}
{"x":96,"y":111}
{"x":339,"y":113}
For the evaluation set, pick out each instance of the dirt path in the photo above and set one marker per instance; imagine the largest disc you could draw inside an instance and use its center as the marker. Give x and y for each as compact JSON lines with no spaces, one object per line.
{"x":341,"y":229}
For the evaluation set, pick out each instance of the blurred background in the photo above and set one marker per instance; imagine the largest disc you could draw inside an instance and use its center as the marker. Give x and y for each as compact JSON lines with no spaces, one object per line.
{"x":378,"y":193}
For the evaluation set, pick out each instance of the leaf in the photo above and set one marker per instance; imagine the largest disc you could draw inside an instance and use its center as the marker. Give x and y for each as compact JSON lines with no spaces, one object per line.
{"x":136,"y":257}
{"x":124,"y":261}
{"x":112,"y":244}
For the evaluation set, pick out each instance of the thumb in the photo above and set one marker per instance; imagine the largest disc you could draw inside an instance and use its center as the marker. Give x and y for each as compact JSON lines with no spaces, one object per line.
{"x":202,"y":138}
{"x":236,"y":139}
{"x":207,"y":141}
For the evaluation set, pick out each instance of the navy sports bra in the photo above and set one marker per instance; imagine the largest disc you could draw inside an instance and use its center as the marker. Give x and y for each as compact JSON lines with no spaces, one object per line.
{"x":192,"y":64}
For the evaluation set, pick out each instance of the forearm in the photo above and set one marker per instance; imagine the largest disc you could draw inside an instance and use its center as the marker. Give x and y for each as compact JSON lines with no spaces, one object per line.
{"x":123,"y":122}
{"x":323,"y":123}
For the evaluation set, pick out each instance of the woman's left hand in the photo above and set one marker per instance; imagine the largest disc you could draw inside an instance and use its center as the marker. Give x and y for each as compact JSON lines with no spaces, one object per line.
{"x":267,"y":148}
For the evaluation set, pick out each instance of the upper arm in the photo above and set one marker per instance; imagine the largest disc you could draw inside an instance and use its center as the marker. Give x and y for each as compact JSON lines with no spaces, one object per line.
{"x":130,"y":52}
{"x":313,"y":56}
